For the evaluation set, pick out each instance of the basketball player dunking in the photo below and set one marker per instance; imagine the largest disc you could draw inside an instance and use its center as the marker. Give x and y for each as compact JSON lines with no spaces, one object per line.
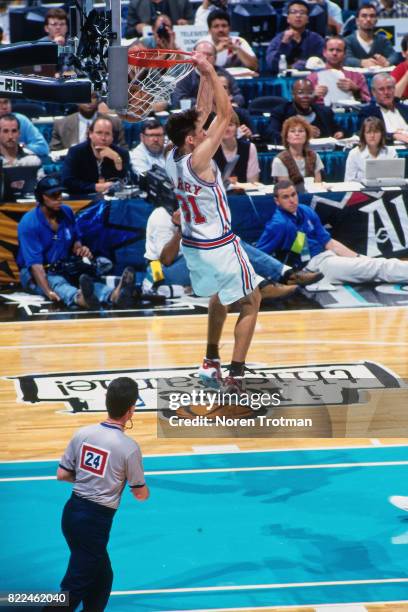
{"x":218,"y":266}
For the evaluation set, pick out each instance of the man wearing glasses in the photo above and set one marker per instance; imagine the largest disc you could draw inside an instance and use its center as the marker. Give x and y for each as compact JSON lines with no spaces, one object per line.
{"x":150,"y":151}
{"x":297,"y":43}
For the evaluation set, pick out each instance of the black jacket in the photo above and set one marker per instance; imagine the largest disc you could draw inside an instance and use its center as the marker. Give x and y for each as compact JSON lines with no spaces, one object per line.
{"x":324,"y":120}
{"x":374,"y":110}
{"x":80,"y":169}
{"x":188,"y":88}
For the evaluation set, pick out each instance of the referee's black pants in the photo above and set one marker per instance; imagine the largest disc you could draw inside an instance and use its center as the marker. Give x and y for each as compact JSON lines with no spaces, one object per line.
{"x":88,"y":579}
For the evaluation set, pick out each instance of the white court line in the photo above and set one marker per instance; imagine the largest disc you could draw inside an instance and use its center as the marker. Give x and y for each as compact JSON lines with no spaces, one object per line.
{"x":240,"y":451}
{"x":258,"y":587}
{"x":205,"y":314}
{"x":293,"y":607}
{"x":149,"y":343}
{"x":261,"y":468}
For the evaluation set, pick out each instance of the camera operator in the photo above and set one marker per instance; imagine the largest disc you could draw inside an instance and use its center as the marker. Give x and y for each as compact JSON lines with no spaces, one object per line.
{"x":205,"y":9}
{"x":163,"y":35}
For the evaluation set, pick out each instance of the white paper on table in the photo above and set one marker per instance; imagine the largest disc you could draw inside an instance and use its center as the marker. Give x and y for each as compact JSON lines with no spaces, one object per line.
{"x":345,"y":186}
{"x":330,"y":78}
{"x":323,"y":144}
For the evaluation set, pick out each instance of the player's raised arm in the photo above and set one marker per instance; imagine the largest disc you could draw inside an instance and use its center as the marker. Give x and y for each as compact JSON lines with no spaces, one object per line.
{"x":204,"y":152}
{"x":205,"y":100}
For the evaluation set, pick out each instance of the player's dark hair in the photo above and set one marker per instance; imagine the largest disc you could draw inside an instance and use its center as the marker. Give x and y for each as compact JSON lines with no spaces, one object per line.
{"x":10,"y":117}
{"x":284,"y":184}
{"x":121,"y":395}
{"x":218,"y":14}
{"x":180,"y":125}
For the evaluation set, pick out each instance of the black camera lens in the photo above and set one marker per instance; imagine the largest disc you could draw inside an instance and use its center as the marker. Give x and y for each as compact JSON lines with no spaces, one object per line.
{"x":163,"y":32}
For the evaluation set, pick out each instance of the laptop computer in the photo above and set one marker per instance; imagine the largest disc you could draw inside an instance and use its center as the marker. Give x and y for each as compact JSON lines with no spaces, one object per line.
{"x":385,"y":173}
{"x":20,"y":181}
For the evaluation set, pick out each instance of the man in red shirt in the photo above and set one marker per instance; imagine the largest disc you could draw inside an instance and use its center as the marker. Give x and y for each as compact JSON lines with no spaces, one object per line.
{"x":400,"y":72}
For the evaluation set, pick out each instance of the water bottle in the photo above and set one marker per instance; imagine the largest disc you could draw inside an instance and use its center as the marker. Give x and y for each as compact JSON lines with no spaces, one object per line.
{"x":283,"y":65}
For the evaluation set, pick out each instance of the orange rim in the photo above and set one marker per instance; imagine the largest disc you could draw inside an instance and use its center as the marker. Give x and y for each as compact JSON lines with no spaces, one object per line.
{"x":147,"y":58}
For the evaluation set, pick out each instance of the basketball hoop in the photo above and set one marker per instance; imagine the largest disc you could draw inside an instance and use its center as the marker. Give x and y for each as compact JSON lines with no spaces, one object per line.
{"x":153,"y":76}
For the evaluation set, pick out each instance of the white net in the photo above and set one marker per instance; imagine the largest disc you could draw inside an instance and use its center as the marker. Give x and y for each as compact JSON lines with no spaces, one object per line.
{"x":155,"y":79}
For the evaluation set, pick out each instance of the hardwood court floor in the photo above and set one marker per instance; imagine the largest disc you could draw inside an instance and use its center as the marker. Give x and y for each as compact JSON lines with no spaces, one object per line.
{"x":41,"y":431}
{"x":34,"y":431}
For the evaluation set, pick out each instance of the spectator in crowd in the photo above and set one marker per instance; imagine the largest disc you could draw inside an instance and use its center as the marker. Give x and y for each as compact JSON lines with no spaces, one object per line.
{"x":162,"y":35}
{"x":400,"y":72}
{"x":334,"y":52}
{"x":387,"y":107}
{"x":201,"y":16}
{"x":231,"y":50}
{"x":187,"y":88}
{"x":245,"y":123}
{"x":334,"y":15}
{"x":298,"y":161}
{"x":372,"y":146}
{"x":163,"y":243}
{"x":321,"y":118}
{"x":390,"y":8}
{"x":56,"y":25}
{"x":242,"y":151}
{"x":336,"y":261}
{"x":296,"y":43}
{"x":145,"y":12}
{"x":30,"y":136}
{"x":94,"y":165}
{"x":366,"y":49}
{"x":47,"y":237}
{"x":5,"y":22}
{"x":150,"y":151}
{"x":13,"y":153}
{"x":73,"y":129}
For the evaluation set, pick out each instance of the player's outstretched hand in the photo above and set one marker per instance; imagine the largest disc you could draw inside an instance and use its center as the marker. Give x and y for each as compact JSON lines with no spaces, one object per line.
{"x":202,"y":63}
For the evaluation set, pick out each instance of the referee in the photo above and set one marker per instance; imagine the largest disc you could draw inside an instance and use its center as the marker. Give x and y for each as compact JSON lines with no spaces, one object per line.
{"x":99,"y":460}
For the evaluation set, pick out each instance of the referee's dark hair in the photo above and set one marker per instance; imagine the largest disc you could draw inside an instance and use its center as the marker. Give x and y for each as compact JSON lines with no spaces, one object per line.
{"x":121,"y":395}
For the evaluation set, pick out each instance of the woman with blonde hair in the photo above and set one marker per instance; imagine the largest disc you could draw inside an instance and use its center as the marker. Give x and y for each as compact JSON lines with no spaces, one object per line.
{"x":233,"y":148}
{"x":298,"y":161}
{"x":372,"y":146}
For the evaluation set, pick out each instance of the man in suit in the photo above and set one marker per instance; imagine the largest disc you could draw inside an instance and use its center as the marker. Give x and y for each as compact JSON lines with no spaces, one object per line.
{"x":94,"y":165}
{"x":364,"y":48}
{"x":320,"y":117}
{"x":144,"y":12}
{"x":73,"y":129}
{"x":387,"y":107}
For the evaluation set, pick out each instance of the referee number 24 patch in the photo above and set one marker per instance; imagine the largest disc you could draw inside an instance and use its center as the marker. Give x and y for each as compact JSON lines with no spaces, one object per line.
{"x":94,"y":460}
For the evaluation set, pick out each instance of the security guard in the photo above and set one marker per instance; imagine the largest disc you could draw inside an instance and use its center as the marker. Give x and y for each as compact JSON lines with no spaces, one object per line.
{"x":99,"y":460}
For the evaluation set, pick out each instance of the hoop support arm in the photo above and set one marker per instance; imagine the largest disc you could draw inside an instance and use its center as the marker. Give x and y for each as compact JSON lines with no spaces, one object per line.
{"x":45,"y":89}
{"x":27,"y":54}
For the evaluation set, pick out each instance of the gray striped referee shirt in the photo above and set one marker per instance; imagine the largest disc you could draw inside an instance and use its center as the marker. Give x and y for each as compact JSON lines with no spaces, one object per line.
{"x":103,"y":459}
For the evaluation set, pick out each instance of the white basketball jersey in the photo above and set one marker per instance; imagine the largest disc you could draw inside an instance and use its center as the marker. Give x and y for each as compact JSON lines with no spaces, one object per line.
{"x":205,"y":218}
